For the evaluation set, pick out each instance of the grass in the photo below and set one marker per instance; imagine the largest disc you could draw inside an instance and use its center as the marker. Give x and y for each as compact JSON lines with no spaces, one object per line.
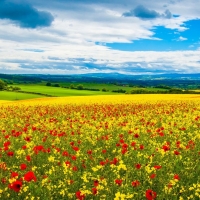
{"x":12,"y":96}
{"x":62,"y":92}
{"x":109,"y":87}
{"x":58,"y":91}
{"x":54,"y":91}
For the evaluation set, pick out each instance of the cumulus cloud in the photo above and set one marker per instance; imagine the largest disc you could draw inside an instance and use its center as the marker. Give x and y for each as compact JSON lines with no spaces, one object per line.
{"x":24,"y":15}
{"x":167,"y":14}
{"x":79,"y":58}
{"x":144,"y":13}
{"x":181,"y":38}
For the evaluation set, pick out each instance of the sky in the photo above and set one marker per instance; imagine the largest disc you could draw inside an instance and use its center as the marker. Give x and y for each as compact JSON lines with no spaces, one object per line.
{"x":101,"y":36}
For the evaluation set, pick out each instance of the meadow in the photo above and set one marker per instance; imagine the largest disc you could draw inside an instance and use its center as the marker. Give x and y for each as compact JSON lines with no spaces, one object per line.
{"x":64,"y":89}
{"x":42,"y":90}
{"x":32,"y":91}
{"x":13,"y":96}
{"x":101,"y":147}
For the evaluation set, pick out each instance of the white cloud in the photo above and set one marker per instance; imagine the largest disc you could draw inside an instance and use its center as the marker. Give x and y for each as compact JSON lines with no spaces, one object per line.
{"x":78,"y":26}
{"x":181,"y":38}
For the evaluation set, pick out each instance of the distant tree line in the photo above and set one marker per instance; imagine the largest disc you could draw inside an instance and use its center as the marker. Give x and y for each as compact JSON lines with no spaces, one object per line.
{"x":119,"y":91}
{"x":4,"y":86}
{"x":170,"y":91}
{"x":78,"y":87}
{"x":53,"y":85}
{"x":166,"y":89}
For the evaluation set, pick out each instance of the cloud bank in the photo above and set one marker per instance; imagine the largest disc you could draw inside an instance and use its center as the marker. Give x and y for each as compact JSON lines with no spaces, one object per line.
{"x":24,"y":14}
{"x":144,"y":13}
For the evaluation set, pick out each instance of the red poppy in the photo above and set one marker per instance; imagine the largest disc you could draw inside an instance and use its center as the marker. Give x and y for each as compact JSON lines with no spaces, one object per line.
{"x":166,"y":148}
{"x":104,"y":151}
{"x":73,"y":157}
{"x":130,"y":131}
{"x":178,"y":144}
{"x":118,"y":144}
{"x":176,"y":176}
{"x":23,"y":166}
{"x":68,"y":163}
{"x":152,"y":176}
{"x":6,"y":144}
{"x":176,"y":152}
{"x":75,"y":148}
{"x":75,"y":168}
{"x":89,"y":152}
{"x":6,"y":148}
{"x":161,"y":134}
{"x":135,"y":183}
{"x":150,"y":194}
{"x":7,"y":136}
{"x":80,"y":196}
{"x":16,"y":186}
{"x":136,"y":135}
{"x":124,"y":151}
{"x":3,"y":180}
{"x":133,"y":144}
{"x":94,"y":191}
{"x":118,"y":181}
{"x":72,"y":143}
{"x":157,"y":167}
{"x":10,"y":153}
{"x":14,"y":174}
{"x":29,"y":176}
{"x":28,"y":139}
{"x":121,"y":141}
{"x":138,"y":166}
{"x":141,"y":146}
{"x":114,"y":161}
{"x":125,"y":146}
{"x":28,"y":158}
{"x":96,"y":183}
{"x":65,"y":153}
{"x":102,"y":163}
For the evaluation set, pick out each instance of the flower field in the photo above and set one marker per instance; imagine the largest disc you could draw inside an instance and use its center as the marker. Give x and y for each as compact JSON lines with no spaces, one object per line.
{"x":101,"y":147}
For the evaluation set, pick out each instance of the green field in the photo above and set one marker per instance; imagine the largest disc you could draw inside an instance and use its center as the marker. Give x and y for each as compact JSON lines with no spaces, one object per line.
{"x":58,"y":91}
{"x":13,"y":96}
{"x":44,"y":90}
{"x":109,"y":87}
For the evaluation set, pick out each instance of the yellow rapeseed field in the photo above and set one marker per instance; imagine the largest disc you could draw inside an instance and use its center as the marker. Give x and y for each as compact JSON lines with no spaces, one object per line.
{"x":101,"y":147}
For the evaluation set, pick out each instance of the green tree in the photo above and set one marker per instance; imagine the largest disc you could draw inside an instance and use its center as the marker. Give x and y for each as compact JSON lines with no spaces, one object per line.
{"x":16,"y":88}
{"x":71,"y":86}
{"x":80,"y":87}
{"x":48,"y":84}
{"x":56,"y":85}
{"x":2,"y":85}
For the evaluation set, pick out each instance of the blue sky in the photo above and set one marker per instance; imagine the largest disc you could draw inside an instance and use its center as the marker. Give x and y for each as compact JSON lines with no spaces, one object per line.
{"x":170,"y":40}
{"x":85,"y":36}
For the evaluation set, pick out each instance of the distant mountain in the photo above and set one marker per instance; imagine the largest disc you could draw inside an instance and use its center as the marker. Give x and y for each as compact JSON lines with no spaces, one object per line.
{"x":141,"y":77}
{"x":172,"y":80}
{"x":106,"y":75}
